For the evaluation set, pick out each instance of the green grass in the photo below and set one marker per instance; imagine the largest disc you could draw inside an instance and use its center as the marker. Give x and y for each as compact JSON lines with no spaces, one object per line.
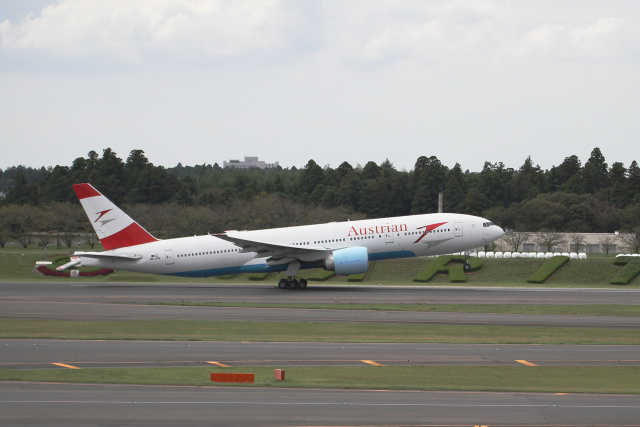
{"x":321,"y":275}
{"x":206,"y":330}
{"x":575,"y":310}
{"x":470,"y":378}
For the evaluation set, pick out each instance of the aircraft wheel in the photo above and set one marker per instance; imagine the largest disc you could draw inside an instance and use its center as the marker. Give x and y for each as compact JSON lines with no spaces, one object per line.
{"x":283,"y":284}
{"x":302,"y":284}
{"x":293,"y":284}
{"x":467,"y":266}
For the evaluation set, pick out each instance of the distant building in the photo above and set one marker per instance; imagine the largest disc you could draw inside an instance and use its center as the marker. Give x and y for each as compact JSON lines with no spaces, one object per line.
{"x":249,"y":162}
{"x":590,"y":243}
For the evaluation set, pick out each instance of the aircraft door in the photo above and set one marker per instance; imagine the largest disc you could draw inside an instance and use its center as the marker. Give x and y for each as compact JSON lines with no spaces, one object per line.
{"x":457,"y":228}
{"x":168,"y":257}
{"x":388,"y":238}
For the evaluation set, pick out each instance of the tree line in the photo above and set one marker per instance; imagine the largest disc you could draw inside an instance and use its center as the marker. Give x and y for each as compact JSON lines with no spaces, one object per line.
{"x":570,"y":197}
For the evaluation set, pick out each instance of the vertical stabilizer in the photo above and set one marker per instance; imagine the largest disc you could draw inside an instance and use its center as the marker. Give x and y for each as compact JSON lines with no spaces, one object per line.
{"x":114,"y":228}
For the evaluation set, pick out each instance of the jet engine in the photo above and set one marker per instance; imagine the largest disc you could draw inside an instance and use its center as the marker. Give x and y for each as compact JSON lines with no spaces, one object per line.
{"x":348,"y":261}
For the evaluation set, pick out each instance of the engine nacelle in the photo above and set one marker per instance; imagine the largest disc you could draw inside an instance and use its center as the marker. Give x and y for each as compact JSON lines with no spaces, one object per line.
{"x":348,"y":261}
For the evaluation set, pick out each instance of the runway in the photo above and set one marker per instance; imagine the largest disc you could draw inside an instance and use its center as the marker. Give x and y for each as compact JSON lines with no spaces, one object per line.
{"x":66,"y":404}
{"x":81,"y":404}
{"x":71,"y":301}
{"x":69,"y":404}
{"x":201,"y":291}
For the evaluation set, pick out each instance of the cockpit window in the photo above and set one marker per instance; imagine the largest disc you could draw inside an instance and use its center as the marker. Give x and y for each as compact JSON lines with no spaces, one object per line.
{"x":488,"y":224}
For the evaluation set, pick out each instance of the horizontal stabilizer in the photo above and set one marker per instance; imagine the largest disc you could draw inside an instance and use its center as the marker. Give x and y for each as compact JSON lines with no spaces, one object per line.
{"x":74,"y":260}
{"x":114,"y":257}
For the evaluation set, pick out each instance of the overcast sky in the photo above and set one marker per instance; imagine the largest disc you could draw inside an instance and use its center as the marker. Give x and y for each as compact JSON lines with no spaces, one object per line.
{"x":197,"y":81}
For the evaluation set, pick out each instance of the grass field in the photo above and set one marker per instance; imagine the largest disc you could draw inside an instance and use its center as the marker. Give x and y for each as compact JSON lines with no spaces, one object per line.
{"x":575,"y":310}
{"x":470,"y":378}
{"x":209,"y":330}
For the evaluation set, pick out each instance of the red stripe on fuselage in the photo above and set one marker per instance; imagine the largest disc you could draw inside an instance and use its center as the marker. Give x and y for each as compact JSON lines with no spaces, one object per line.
{"x":128,"y":236}
{"x":85,"y":190}
{"x":428,"y":229}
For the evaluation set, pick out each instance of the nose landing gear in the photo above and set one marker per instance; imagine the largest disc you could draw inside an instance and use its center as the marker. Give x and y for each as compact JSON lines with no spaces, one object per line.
{"x":467,"y":266}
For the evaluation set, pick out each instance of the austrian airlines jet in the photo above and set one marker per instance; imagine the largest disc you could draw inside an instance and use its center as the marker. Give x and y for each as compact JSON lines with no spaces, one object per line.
{"x":343,"y":247}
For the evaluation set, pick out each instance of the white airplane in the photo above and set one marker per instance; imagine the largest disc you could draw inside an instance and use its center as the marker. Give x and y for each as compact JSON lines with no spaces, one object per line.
{"x":343,"y":247}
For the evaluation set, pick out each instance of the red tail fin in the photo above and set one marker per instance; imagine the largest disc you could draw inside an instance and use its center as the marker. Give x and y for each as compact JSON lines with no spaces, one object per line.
{"x":114,"y":228}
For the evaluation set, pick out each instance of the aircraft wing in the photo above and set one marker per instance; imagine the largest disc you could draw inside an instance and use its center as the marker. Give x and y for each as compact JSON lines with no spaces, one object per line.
{"x":275,"y":252}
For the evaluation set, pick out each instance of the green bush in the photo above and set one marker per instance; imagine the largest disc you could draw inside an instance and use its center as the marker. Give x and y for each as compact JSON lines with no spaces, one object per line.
{"x":441,"y":266}
{"x":547,"y":269}
{"x":359,"y":277}
{"x":623,"y":260}
{"x":456,"y":273}
{"x":630,"y":270}
{"x":322,"y":275}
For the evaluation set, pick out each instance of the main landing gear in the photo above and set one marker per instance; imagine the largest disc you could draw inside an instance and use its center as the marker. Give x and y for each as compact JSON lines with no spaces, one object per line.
{"x":292,"y":283}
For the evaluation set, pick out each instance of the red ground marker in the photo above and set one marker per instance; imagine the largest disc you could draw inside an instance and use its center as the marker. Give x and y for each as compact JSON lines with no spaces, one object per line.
{"x":231,"y":378}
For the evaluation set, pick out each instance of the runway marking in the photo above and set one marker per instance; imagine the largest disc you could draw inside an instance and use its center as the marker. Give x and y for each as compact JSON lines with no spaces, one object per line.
{"x":222,"y":365}
{"x":524,"y":362}
{"x":371,"y":362}
{"x":66,"y":366}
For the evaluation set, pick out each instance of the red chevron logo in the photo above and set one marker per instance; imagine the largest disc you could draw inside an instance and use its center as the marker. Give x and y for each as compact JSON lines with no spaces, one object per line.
{"x":101,"y":214}
{"x":428,"y":229}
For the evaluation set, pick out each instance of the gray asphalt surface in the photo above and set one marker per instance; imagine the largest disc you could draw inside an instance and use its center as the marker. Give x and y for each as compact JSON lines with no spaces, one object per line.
{"x":202,"y":291}
{"x":79,"y":404}
{"x":72,"y":301}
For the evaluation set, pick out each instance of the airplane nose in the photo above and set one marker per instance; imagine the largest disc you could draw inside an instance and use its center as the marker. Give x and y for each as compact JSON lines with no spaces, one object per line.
{"x":490,"y":231}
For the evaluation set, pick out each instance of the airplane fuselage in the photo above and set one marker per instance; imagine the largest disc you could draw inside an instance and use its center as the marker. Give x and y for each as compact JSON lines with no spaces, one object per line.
{"x":386,"y":238}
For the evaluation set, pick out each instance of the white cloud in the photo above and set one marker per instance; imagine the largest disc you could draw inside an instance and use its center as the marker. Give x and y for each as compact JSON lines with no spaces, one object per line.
{"x":129,"y":30}
{"x":416,"y":31}
{"x":604,"y":39}
{"x":463,"y":31}
{"x":356,"y":31}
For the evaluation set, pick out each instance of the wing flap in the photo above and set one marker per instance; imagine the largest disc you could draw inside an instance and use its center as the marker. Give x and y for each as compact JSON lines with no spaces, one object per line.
{"x":275,"y":252}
